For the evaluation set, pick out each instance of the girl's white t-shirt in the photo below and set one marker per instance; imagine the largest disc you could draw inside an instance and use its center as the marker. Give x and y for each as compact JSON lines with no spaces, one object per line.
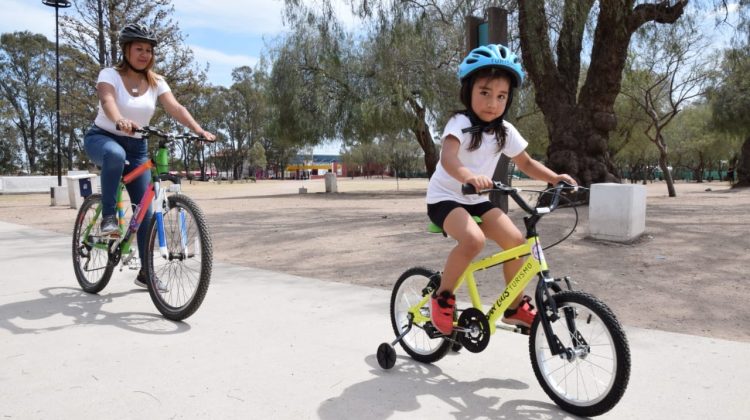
{"x":136,"y":108}
{"x":482,"y":161}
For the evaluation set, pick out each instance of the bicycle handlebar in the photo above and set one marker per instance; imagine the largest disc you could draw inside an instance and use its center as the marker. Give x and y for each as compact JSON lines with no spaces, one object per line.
{"x":148,"y":130}
{"x":514,"y":194}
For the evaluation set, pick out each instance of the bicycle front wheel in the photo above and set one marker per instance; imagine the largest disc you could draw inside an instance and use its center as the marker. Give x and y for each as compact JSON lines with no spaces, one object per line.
{"x":410,"y":289}
{"x":180,"y":270}
{"x":591,"y":377}
{"x":91,"y":259}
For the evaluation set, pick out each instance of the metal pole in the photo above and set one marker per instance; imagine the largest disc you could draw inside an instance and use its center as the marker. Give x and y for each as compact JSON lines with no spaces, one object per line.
{"x":57,"y":87}
{"x":57,"y":4}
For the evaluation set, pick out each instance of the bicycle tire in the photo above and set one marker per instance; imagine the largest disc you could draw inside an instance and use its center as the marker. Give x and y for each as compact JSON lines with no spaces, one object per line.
{"x":594,"y":382}
{"x":94,"y":273}
{"x":186,"y":276}
{"x":408,"y":290}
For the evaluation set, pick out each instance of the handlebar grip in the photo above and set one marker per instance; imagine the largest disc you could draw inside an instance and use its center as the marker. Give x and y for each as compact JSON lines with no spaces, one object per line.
{"x":467,"y":189}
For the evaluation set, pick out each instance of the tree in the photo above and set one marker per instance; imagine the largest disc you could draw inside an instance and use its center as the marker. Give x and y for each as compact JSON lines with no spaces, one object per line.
{"x":731,"y":102}
{"x":402,"y":156}
{"x":92,"y":33}
{"x":398,"y":75}
{"x":670,"y":68}
{"x":364,"y":159}
{"x":580,"y":118}
{"x":10,"y":161}
{"x":697,"y":145}
{"x":25,"y":63}
{"x":95,"y":29}
{"x":731,"y":98}
{"x":256,"y":158}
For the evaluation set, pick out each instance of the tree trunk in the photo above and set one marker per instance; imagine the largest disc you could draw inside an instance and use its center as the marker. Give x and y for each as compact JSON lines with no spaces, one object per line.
{"x":667,"y":174}
{"x":579,"y":120}
{"x":578,"y":145}
{"x":743,"y":165}
{"x":430,"y":154}
{"x":422,"y":131}
{"x":663,"y":164}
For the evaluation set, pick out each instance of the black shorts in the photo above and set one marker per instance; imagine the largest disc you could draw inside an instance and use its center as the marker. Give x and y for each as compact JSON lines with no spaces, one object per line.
{"x":437,"y":212}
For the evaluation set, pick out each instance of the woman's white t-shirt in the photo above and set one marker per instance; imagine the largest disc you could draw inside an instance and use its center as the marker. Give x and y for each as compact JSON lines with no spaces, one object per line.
{"x":136,"y":108}
{"x":482,"y":161}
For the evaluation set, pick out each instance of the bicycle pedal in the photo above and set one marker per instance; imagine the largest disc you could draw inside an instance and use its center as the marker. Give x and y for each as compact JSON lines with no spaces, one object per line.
{"x":431,"y":331}
{"x":110,"y":236}
{"x":514,"y":329}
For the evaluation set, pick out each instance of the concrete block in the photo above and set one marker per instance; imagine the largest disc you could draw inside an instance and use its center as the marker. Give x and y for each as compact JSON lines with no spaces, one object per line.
{"x":331,"y":184}
{"x":59,"y":196}
{"x":79,"y":187}
{"x":617,"y":212}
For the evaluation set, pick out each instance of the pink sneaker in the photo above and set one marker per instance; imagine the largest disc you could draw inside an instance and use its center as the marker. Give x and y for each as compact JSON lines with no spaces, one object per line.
{"x":522,"y":316}
{"x":441,"y":311}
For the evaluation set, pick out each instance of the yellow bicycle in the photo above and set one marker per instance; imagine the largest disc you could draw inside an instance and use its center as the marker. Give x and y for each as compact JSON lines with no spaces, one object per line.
{"x":579,"y":351}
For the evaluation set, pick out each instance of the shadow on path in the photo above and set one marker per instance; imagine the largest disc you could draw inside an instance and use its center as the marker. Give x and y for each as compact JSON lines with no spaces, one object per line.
{"x":399,"y":390}
{"x":72,"y":307}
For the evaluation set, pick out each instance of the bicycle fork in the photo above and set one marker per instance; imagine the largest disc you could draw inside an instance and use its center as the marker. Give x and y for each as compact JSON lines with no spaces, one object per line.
{"x":548,"y":312}
{"x":182,"y":227}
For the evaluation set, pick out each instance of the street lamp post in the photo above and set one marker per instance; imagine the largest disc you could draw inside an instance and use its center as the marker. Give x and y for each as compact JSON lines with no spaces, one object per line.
{"x":57,"y":4}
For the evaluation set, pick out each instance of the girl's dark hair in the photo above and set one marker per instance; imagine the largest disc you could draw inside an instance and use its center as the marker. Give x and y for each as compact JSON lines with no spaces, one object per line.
{"x":496,"y":126}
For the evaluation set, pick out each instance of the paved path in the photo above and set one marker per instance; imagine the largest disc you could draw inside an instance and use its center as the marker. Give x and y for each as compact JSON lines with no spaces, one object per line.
{"x":267,"y":345}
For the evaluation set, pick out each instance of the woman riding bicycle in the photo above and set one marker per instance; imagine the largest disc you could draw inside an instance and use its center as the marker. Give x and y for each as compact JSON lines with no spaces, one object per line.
{"x":127,"y":100}
{"x":472,"y":142}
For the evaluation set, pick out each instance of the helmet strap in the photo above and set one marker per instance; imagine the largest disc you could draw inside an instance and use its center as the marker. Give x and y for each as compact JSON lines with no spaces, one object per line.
{"x":477,"y":125}
{"x":130,"y":66}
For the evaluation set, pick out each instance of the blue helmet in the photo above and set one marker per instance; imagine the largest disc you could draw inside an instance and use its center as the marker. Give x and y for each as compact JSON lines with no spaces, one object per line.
{"x":492,"y":55}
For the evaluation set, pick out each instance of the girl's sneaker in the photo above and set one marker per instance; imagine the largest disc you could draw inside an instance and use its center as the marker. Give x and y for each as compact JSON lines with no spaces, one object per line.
{"x":522,"y":316}
{"x":441,"y":311}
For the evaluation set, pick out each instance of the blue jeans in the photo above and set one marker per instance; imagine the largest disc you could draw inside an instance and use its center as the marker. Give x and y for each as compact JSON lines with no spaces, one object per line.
{"x":110,"y":152}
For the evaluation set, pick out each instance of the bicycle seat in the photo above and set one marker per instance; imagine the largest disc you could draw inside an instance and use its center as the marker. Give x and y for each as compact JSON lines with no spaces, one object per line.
{"x":433,"y":228}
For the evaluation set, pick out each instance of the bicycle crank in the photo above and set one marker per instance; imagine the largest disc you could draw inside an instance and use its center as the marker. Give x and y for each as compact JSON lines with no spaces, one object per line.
{"x":473,"y":330}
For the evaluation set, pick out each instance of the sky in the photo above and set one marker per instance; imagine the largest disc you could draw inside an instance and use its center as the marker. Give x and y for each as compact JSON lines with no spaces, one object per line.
{"x":224,"y":33}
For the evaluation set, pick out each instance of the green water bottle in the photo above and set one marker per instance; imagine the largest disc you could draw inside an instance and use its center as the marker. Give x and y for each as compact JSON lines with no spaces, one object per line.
{"x":162,"y":160}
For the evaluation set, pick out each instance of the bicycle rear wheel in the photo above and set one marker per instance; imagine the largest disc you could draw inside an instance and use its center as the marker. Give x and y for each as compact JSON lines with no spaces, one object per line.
{"x":592,"y":377}
{"x":184,"y":265}
{"x":411,"y":288}
{"x":91,"y":259}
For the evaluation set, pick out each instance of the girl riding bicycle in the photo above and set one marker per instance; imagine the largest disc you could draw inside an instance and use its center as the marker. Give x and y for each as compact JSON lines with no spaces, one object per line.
{"x":127,"y":100}
{"x":472,"y":142}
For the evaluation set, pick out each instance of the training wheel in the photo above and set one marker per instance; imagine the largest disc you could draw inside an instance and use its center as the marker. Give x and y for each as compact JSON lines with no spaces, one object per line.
{"x":386,"y":356}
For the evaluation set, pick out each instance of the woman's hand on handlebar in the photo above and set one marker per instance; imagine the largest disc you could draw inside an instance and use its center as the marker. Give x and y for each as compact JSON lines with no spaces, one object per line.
{"x":206,"y":135}
{"x":127,"y":126}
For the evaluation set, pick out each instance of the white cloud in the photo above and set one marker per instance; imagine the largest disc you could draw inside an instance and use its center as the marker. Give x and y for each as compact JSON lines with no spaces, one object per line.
{"x":252,"y":17}
{"x":256,"y":17}
{"x":216,"y":57}
{"x":221,"y":64}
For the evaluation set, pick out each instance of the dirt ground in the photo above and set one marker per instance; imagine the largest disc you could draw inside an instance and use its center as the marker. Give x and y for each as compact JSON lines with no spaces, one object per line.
{"x":688,"y":273}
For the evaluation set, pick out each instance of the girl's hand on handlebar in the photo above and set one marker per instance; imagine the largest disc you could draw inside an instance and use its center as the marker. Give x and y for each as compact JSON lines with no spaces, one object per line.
{"x":566,"y":179}
{"x":480,"y":182}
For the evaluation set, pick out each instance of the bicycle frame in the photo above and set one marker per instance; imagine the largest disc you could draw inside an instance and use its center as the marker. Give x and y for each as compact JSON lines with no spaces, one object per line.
{"x":534,"y":265}
{"x":154,"y":195}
